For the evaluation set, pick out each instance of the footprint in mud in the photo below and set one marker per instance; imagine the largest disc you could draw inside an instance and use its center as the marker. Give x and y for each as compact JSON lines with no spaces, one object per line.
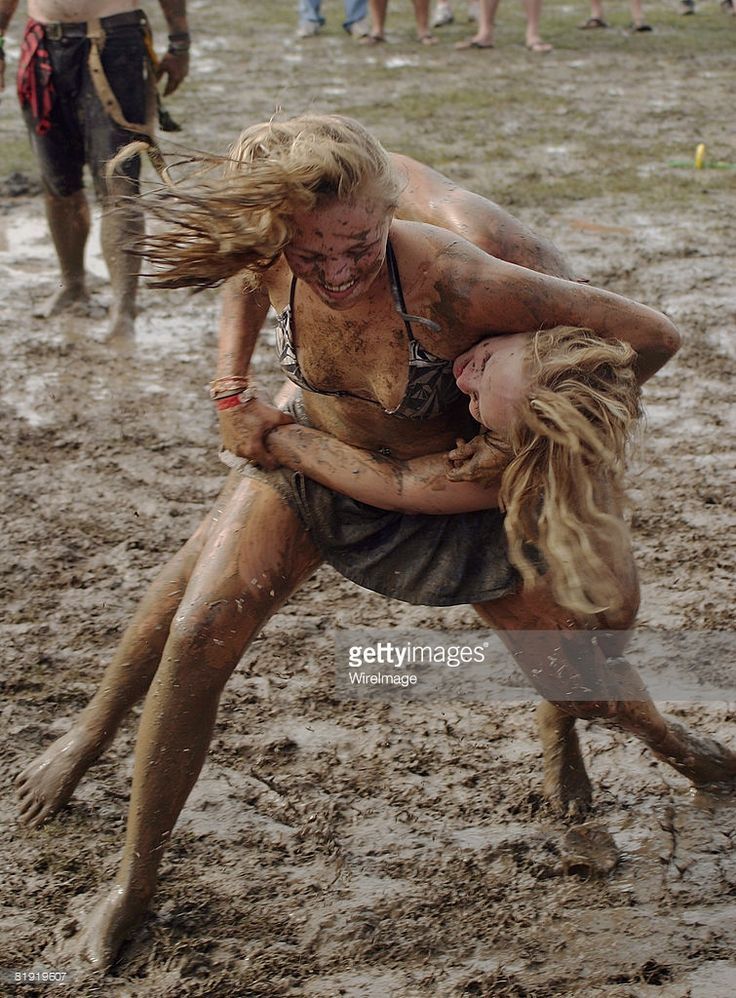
{"x":588,"y":850}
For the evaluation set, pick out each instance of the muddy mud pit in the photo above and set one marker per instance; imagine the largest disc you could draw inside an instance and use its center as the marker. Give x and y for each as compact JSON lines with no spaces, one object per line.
{"x":372,"y":849}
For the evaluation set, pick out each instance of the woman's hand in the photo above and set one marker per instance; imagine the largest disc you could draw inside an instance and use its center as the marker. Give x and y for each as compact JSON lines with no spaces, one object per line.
{"x":481,"y":460}
{"x":244,"y":427}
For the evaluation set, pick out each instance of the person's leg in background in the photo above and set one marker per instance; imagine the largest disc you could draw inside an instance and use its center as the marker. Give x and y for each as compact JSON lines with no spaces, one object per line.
{"x":310,"y":18}
{"x":356,"y":21}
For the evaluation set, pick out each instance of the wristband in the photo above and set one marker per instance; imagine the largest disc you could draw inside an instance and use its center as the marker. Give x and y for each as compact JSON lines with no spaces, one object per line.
{"x":229,"y":402}
{"x":235,"y":399}
{"x":179,"y":42}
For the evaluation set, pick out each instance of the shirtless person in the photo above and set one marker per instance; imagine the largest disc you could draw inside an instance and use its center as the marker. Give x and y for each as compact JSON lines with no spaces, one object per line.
{"x":69,"y":126}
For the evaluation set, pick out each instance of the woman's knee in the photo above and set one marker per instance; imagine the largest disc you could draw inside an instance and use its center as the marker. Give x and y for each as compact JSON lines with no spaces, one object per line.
{"x":210,"y":632}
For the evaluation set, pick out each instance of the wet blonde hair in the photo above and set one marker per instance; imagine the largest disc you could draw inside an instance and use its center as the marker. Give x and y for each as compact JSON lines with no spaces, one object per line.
{"x":239,"y":216}
{"x":562,"y":487}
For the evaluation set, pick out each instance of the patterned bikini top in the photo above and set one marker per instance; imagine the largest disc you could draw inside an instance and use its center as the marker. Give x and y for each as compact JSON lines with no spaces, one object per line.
{"x":431,"y":387}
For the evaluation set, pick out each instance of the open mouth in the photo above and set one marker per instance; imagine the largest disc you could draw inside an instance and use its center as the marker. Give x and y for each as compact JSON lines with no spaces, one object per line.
{"x":339,"y":289}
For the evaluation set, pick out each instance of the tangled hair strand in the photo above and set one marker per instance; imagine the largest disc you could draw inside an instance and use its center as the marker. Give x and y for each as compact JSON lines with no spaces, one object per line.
{"x":239,"y":214}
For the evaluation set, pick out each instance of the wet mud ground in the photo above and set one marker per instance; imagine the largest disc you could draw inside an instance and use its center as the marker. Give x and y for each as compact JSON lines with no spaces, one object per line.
{"x":335,"y":848}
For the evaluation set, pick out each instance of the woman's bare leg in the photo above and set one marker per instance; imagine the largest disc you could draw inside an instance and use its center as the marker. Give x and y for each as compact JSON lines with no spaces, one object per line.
{"x":46,"y":785}
{"x":252,"y":562}
{"x":554,"y":673}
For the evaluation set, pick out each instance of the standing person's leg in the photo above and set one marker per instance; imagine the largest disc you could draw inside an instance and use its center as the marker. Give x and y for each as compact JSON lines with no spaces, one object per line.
{"x":377,"y":9}
{"x":483,"y":38}
{"x":310,"y":17}
{"x":127,"y":74}
{"x":46,"y":785}
{"x":421,"y":14}
{"x":637,"y":16}
{"x":534,"y":42}
{"x":252,"y":562}
{"x":68,"y":220}
{"x":356,"y":18}
{"x":58,"y":145}
{"x":597,"y":18}
{"x":121,"y":227}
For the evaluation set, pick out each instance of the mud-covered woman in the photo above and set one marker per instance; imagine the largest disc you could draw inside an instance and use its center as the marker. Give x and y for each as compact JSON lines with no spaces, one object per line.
{"x":372,"y":314}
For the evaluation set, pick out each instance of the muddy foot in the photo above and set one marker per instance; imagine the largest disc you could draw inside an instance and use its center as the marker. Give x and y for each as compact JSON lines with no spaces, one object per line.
{"x":710,"y":765}
{"x":70,"y":298}
{"x":45,"y":786}
{"x":566,"y":784}
{"x":99,"y":935}
{"x":122,"y":326}
{"x":589,"y":850}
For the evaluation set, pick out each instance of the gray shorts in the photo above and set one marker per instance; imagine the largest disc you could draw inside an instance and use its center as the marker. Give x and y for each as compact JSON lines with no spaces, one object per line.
{"x":418,"y":558}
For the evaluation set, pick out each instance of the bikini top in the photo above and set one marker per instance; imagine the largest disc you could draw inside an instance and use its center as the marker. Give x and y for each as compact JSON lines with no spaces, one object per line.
{"x":430,"y":388}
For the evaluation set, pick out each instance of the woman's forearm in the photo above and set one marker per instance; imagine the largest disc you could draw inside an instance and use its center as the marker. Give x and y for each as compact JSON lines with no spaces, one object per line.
{"x":242,"y":314}
{"x":416,"y":486}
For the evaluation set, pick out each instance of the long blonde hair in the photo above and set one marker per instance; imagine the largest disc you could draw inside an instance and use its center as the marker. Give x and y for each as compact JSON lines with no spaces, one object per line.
{"x":562,"y":488}
{"x":240,"y":214}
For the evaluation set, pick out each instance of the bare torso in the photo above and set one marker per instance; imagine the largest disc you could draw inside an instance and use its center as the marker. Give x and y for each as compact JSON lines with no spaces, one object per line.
{"x":77,"y":10}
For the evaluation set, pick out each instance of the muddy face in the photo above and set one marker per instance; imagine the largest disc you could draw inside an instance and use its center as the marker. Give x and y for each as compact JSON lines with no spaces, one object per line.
{"x":339,"y":248}
{"x":493,"y":373}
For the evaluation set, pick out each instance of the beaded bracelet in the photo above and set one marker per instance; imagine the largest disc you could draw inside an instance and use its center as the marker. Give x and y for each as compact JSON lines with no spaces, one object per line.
{"x":222,"y":387}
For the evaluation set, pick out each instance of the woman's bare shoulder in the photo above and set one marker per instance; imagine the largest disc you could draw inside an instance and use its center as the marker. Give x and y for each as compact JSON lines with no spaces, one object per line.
{"x":433,"y":248}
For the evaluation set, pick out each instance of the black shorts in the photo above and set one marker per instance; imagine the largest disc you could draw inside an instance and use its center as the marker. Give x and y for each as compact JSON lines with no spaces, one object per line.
{"x":81,"y":131}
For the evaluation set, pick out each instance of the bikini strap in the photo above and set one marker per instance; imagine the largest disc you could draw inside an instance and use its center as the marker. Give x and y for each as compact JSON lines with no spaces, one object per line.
{"x":292,"y":291}
{"x":398,"y":296}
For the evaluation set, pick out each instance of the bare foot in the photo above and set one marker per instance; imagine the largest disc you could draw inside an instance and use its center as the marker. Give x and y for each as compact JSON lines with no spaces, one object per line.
{"x":122,"y":325}
{"x":566,"y":784}
{"x":45,"y":786}
{"x":69,"y":297}
{"x":103,"y":930}
{"x":708,"y":764}
{"x":538,"y":46}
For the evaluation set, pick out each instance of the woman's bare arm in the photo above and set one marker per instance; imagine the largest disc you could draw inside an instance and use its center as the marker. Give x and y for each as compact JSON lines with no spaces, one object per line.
{"x":429,"y":196}
{"x":477,"y":295}
{"x":416,"y":486}
{"x":242,"y":428}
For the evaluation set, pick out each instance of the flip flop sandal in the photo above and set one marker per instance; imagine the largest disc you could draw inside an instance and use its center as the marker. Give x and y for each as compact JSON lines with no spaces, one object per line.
{"x":640,"y":27}
{"x":371,"y":40}
{"x":470,"y":43}
{"x":427,"y":39}
{"x":540,"y":47}
{"x":593,"y":22}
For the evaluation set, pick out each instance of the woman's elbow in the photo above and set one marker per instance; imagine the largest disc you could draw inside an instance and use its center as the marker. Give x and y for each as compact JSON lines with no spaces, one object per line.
{"x":671,"y":339}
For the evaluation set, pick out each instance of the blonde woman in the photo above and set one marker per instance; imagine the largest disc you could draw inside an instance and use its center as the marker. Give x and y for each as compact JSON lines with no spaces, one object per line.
{"x":373,"y":312}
